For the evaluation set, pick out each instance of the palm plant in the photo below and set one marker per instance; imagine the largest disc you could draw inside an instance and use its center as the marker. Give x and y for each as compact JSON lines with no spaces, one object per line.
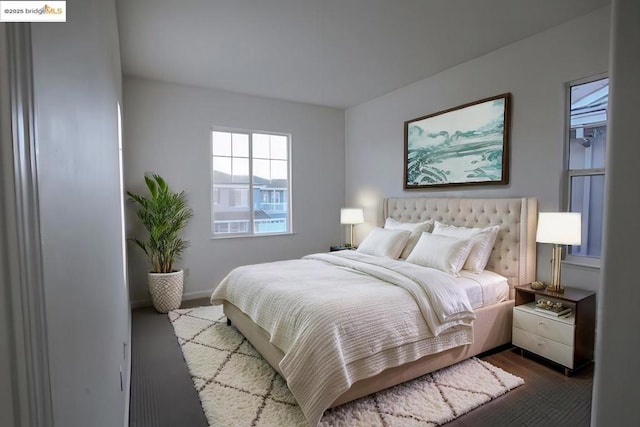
{"x":164,"y":214}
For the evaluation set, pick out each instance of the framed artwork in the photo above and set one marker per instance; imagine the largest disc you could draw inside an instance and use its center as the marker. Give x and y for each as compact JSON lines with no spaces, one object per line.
{"x":465,"y":145}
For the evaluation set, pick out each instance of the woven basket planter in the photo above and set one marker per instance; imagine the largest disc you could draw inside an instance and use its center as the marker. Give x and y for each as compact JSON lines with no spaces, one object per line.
{"x":166,"y":290}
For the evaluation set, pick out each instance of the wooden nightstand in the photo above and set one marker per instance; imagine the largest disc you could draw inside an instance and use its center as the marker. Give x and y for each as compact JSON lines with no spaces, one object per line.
{"x":567,"y":341}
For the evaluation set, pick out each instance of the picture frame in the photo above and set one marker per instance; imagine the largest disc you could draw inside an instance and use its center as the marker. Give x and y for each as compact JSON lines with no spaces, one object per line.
{"x":461,"y":146}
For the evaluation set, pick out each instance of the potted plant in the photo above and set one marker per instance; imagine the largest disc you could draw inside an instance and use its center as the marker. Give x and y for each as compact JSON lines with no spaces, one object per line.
{"x":164,"y":214}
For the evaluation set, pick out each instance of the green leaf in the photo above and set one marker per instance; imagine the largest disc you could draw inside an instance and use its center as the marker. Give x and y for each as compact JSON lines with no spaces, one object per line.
{"x":164,"y":214}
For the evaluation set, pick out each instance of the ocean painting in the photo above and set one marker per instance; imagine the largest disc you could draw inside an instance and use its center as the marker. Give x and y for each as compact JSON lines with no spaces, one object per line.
{"x":461,"y":146}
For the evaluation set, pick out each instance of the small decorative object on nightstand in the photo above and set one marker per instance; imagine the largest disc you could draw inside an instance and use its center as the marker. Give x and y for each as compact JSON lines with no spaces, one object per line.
{"x":558,"y":327}
{"x":537,"y":285}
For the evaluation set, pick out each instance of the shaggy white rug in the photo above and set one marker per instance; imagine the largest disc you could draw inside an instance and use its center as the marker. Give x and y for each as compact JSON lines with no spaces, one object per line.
{"x":238,"y":388}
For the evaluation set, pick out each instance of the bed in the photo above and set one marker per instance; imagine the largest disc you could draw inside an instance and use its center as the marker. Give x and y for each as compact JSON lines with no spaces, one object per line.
{"x":474,"y":329}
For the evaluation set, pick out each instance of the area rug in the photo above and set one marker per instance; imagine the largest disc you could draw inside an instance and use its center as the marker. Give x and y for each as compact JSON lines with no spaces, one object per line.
{"x":237,"y":387}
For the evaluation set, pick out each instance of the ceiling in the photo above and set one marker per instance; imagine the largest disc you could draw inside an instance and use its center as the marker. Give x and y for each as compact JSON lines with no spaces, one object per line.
{"x":337,"y":53}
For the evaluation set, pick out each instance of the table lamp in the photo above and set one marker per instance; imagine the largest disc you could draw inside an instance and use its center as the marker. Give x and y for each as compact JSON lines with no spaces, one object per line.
{"x":351,"y":216}
{"x":558,"y":228}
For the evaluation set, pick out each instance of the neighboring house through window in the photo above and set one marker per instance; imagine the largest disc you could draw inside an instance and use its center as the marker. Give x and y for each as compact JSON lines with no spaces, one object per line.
{"x":251,"y":188}
{"x":587,"y":135}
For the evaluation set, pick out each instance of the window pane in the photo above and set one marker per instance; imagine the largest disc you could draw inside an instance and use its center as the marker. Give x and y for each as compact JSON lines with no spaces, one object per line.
{"x":278,"y":147}
{"x":262,"y":169}
{"x":273,"y":225}
{"x":238,"y":198}
{"x":221,"y":170}
{"x":261,"y":145}
{"x":231,"y":212}
{"x":240,"y":169}
{"x":588,"y":150}
{"x":587,"y":197}
{"x":279,"y":169}
{"x":588,"y":128}
{"x":221,"y":144}
{"x":240,"y":145}
{"x":238,"y":225}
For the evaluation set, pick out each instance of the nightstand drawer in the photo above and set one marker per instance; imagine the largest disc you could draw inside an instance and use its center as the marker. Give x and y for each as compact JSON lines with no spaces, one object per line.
{"x":552,"y":350}
{"x":537,"y":324}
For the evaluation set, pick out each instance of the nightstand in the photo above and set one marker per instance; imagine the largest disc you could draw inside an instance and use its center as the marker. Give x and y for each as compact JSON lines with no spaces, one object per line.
{"x":568,"y":340}
{"x":342,"y":248}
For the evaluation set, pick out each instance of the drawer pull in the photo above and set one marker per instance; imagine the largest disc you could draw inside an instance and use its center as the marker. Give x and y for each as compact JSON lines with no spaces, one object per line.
{"x":540,"y":323}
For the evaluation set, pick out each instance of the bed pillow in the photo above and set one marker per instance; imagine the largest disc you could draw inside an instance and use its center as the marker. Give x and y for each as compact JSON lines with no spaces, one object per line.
{"x":444,"y":253}
{"x":416,"y":229}
{"x":482,"y":238}
{"x":384,"y":242}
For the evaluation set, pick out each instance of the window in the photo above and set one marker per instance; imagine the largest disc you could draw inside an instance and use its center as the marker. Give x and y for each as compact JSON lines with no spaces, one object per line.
{"x":587,"y":134}
{"x":250,"y":183}
{"x":238,"y":198}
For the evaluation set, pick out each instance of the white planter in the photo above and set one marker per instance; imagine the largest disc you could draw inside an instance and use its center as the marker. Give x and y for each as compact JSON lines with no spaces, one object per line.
{"x":166,"y":290}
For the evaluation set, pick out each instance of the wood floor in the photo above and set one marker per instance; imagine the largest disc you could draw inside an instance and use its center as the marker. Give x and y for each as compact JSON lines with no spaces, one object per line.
{"x":162,"y":393}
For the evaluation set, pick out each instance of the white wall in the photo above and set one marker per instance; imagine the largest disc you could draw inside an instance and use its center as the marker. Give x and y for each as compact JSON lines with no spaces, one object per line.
{"x":535,"y":71}
{"x":616,"y":379}
{"x":8,"y":384}
{"x":77,"y":85}
{"x":167,"y":130}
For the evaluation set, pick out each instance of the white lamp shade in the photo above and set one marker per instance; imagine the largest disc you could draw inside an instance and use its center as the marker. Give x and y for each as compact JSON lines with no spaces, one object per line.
{"x":562,"y":228}
{"x":351,"y":216}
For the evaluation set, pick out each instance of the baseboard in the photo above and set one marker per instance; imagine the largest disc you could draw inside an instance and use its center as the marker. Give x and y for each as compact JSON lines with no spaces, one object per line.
{"x":196,"y":295}
{"x":187,"y":296}
{"x":127,"y":385}
{"x":140,"y":303}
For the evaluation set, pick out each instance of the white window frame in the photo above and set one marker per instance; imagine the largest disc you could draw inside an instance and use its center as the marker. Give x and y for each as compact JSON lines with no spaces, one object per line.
{"x":579,"y":260}
{"x":213,"y":203}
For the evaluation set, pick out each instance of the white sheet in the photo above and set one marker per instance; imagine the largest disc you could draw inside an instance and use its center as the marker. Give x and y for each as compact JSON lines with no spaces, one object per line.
{"x":483,"y":289}
{"x":334,"y":311}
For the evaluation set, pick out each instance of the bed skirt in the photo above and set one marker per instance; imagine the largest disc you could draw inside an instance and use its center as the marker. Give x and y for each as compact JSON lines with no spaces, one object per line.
{"x":491,"y":329}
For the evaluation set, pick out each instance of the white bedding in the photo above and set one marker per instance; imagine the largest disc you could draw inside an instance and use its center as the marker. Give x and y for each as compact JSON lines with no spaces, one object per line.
{"x":349,"y":316}
{"x":485,"y":288}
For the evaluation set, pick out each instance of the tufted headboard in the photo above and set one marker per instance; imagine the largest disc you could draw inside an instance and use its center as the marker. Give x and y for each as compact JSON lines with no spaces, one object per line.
{"x":514,"y":253}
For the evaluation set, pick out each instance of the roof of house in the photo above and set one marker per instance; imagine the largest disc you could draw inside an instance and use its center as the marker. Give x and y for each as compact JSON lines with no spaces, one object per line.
{"x":239,"y":215}
{"x":225,"y":178}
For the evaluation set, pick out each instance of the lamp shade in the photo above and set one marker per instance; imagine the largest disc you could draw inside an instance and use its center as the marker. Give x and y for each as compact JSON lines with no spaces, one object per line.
{"x":562,"y":228}
{"x":351,"y":216}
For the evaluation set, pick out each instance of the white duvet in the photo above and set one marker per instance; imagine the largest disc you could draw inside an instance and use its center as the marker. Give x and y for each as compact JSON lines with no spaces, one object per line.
{"x":344,"y":316}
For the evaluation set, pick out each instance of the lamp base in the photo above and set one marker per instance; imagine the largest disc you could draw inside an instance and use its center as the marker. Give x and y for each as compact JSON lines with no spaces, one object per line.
{"x":556,"y":260}
{"x":555,"y":289}
{"x":351,"y":235}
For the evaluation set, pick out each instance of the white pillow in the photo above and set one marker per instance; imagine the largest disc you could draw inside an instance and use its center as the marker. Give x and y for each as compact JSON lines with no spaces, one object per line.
{"x":416,"y":229}
{"x":384,"y":242}
{"x":444,"y":253}
{"x":482,"y":238}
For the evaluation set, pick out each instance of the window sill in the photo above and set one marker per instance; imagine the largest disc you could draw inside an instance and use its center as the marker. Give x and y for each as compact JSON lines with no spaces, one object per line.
{"x":244,"y":236}
{"x":583,"y":263}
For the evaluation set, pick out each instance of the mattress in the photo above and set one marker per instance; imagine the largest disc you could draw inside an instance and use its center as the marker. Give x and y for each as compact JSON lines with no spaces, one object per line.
{"x":484,"y":289}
